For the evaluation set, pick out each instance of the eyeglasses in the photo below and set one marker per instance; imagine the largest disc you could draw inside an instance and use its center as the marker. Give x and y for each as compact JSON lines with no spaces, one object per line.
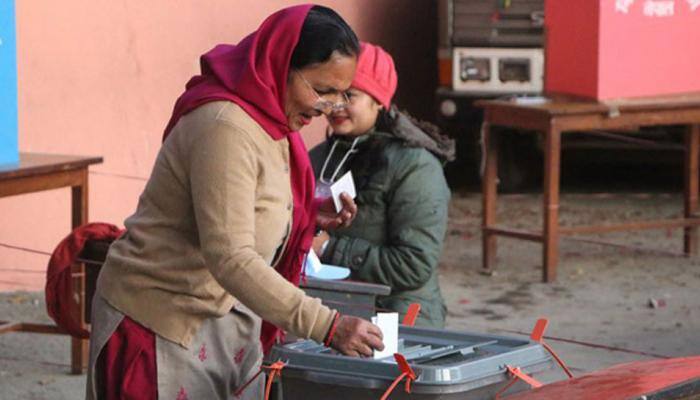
{"x":323,"y":105}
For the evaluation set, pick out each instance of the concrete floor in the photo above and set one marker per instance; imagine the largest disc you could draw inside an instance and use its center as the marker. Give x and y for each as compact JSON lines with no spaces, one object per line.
{"x":601,"y":296}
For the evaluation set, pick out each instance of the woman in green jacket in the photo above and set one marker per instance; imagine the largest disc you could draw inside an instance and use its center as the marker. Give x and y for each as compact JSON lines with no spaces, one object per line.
{"x":402,"y":197}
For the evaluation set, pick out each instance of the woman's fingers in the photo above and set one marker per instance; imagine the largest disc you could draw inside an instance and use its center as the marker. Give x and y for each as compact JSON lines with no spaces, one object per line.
{"x":374,"y":330}
{"x":373,"y":337}
{"x":364,"y":350}
{"x":348,"y":352}
{"x":375,"y":341}
{"x":345,"y":219}
{"x":360,"y":349}
{"x":349,"y":211}
{"x":329,"y":219}
{"x":348,"y":202}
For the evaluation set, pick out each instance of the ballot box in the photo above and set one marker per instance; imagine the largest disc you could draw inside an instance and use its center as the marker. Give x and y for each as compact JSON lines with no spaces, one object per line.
{"x":447,"y":365}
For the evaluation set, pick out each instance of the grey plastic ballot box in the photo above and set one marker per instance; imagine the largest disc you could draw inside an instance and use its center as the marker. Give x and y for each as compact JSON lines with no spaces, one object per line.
{"x":448,"y":365}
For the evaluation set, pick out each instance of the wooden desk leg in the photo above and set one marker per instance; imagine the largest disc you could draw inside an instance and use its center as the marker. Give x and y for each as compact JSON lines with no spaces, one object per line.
{"x":552,"y":152}
{"x":79,"y":215}
{"x":489,"y":189}
{"x":692,"y":148}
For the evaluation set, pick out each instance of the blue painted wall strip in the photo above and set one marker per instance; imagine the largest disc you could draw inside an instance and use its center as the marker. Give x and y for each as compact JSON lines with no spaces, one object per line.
{"x":8,"y":83}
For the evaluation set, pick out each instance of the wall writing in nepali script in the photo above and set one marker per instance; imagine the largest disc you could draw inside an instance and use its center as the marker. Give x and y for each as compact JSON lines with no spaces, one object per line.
{"x":655,"y":8}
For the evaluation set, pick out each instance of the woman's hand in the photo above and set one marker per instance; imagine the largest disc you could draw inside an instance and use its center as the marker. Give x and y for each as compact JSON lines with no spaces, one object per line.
{"x":356,"y":337}
{"x":328,"y":218}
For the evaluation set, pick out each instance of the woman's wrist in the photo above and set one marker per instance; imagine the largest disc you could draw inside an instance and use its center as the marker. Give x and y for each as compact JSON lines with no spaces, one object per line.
{"x":324,"y":246}
{"x":320,"y":243}
{"x":331,"y":331}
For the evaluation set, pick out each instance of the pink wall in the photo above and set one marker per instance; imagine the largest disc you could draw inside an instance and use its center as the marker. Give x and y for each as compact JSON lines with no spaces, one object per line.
{"x":608,"y":49}
{"x":643,"y":56}
{"x":100,"y":78}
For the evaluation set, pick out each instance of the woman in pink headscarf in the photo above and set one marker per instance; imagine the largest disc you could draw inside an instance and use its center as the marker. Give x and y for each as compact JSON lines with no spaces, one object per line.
{"x":225,"y":221}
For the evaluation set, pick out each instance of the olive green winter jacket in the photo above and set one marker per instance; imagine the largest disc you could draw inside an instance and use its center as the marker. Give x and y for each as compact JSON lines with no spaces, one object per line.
{"x":396,"y":238}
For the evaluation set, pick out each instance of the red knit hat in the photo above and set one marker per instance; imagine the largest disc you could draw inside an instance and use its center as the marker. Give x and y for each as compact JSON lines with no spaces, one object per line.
{"x":376,"y":74}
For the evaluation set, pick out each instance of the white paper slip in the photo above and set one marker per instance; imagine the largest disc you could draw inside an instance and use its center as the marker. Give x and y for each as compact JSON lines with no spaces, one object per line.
{"x":389,"y":325}
{"x":344,"y":184}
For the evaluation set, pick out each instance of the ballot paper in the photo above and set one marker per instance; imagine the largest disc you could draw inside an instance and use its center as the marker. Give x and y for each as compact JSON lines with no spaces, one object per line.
{"x":316,"y":269}
{"x":389,"y":325}
{"x":344,"y":184}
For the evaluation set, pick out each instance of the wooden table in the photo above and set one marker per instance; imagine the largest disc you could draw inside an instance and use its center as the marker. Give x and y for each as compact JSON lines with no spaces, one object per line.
{"x":37,"y":172}
{"x":564,"y":114}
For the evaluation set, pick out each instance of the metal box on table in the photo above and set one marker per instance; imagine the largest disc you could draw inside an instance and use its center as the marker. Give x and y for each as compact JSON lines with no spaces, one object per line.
{"x":348,"y":297}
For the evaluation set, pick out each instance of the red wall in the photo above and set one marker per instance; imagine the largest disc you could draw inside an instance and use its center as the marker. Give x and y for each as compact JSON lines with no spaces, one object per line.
{"x":571,"y":59}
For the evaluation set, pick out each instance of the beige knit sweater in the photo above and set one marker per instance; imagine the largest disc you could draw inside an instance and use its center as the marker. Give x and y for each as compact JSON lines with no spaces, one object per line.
{"x":212,"y":216}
